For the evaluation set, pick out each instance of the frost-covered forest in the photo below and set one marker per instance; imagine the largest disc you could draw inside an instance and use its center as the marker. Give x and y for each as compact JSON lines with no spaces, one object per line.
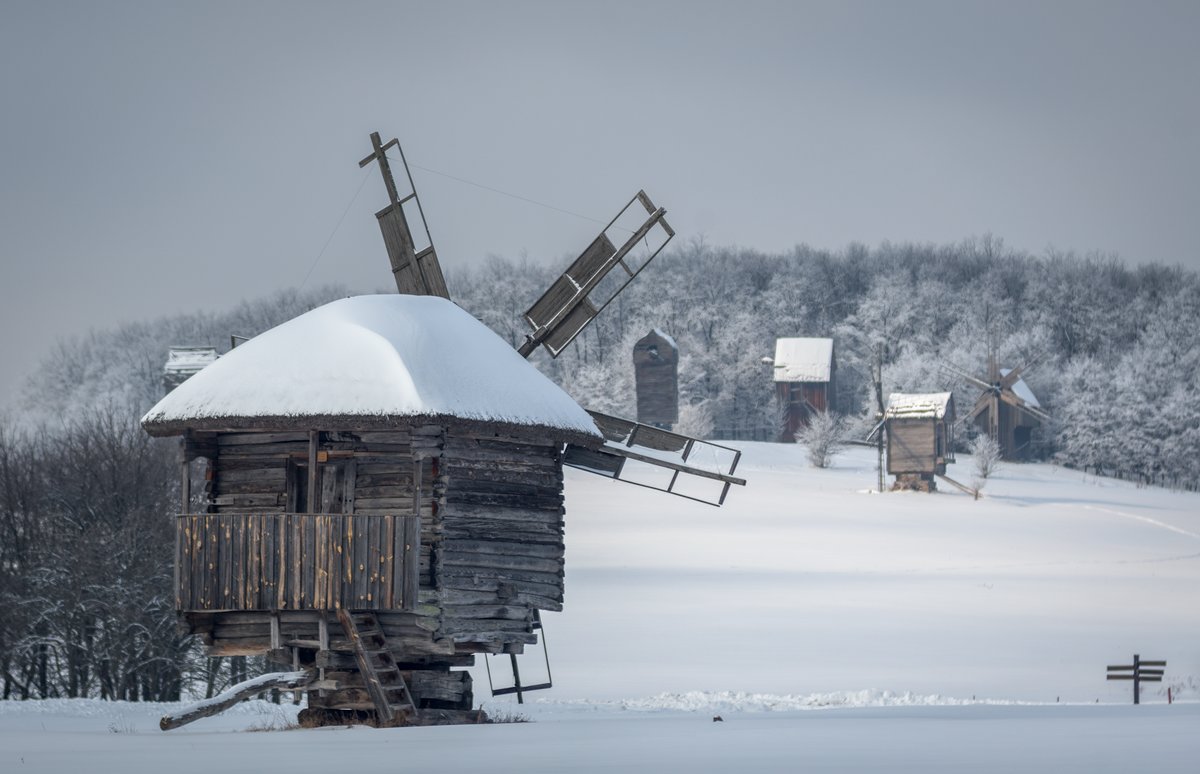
{"x":1116,"y":364}
{"x":84,"y":493}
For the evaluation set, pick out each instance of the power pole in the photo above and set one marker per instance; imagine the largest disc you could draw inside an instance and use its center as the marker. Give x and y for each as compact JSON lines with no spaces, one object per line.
{"x":880,"y":416}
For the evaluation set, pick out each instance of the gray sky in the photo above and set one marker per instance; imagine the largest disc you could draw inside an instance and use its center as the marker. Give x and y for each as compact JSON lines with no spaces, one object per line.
{"x":160,"y":157}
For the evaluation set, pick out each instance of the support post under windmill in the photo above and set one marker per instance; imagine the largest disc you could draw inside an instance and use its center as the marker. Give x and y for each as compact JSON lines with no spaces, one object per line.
{"x":1137,"y":692}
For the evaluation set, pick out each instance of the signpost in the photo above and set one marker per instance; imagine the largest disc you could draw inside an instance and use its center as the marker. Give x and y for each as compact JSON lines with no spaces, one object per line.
{"x":1139,"y":672}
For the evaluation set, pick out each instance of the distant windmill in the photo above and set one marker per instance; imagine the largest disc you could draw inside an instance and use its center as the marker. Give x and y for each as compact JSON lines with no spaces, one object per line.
{"x":1006,"y":408}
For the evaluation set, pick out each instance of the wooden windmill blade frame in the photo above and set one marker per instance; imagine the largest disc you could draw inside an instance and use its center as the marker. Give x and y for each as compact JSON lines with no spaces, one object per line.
{"x":566,"y":308}
{"x":983,"y":402}
{"x":627,"y":442}
{"x":1016,"y":401}
{"x":961,"y":373}
{"x":417,"y":272}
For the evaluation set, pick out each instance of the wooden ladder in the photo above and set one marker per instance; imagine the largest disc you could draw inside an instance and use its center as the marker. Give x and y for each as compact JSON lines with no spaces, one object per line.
{"x":384,"y":682}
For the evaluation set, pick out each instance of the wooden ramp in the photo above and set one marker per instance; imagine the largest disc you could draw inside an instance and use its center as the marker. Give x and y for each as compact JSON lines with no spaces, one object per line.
{"x":379,"y":671}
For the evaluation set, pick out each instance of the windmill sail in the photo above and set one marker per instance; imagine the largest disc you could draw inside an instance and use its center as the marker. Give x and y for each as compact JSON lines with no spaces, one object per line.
{"x":571,"y":302}
{"x":414,"y":264}
{"x":1005,"y":408}
{"x":634,"y":453}
{"x":659,"y":459}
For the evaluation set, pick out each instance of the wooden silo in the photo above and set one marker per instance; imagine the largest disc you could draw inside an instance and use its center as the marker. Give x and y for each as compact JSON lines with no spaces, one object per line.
{"x":656,"y":372}
{"x":805,"y":372}
{"x":383,"y":500}
{"x":919,"y":428}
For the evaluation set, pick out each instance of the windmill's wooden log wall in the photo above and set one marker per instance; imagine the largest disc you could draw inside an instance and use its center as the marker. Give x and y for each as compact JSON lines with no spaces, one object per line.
{"x":438,"y":688}
{"x":917,"y":445}
{"x":502,"y":540}
{"x":411,"y":635}
{"x":490,"y":549}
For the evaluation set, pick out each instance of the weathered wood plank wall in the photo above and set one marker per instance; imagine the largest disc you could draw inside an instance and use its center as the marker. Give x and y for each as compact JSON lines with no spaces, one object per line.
{"x":656,"y":372}
{"x":289,"y":561}
{"x":502,"y":542}
{"x":799,"y":400}
{"x":911,"y":446}
{"x":490,"y":544}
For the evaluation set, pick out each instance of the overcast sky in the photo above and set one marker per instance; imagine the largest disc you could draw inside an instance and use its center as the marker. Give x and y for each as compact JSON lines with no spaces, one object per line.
{"x":160,"y":157}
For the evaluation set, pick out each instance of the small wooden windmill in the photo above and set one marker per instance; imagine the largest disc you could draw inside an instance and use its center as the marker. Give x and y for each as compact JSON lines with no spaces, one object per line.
{"x":1006,"y":408}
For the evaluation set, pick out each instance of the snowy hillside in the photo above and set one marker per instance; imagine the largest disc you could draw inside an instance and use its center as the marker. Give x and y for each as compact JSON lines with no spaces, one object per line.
{"x":829,"y":626}
{"x":806,"y":581}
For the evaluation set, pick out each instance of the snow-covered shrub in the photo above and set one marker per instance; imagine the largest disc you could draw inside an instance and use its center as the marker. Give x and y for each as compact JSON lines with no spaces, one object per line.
{"x":986,"y":452}
{"x":824,"y":435}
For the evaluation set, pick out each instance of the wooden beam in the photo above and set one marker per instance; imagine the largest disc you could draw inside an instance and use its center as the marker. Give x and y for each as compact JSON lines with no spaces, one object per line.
{"x":380,"y":155}
{"x":622,"y":452}
{"x":223,"y":701}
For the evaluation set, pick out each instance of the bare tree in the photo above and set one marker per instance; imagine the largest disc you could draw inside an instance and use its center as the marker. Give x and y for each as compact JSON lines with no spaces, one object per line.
{"x":89,"y":604}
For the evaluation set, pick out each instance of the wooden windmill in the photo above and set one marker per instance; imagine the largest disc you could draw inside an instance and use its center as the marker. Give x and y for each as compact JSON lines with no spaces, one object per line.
{"x":1006,"y":408}
{"x":382,"y":497}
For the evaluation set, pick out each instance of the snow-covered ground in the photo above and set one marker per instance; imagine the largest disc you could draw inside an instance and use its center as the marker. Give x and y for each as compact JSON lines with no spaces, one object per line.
{"x":831,"y":627}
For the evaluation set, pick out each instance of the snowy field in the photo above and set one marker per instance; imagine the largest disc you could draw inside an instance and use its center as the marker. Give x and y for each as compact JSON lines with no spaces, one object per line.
{"x":831,"y":627}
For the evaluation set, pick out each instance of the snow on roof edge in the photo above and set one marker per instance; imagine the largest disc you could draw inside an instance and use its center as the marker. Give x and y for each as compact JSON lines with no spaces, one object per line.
{"x":803,"y":359}
{"x":377,"y":361}
{"x":917,"y":405}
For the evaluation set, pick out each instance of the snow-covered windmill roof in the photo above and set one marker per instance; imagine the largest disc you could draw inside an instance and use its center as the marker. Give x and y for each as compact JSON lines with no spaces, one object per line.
{"x":372,"y":361}
{"x":803,"y":360}
{"x":1021,"y":389}
{"x":907,"y":405}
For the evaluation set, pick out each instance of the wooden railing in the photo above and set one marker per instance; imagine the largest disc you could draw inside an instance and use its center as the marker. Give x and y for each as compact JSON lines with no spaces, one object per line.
{"x":296,"y":561}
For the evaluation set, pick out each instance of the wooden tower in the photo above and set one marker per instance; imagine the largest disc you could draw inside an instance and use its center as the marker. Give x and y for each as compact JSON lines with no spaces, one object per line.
{"x":919,"y":430}
{"x":805,"y":372}
{"x":656,"y":371}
